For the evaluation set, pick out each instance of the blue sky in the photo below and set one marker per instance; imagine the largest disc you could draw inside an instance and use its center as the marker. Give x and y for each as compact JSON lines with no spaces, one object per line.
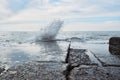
{"x":15,"y":5}
{"x":78,"y":15}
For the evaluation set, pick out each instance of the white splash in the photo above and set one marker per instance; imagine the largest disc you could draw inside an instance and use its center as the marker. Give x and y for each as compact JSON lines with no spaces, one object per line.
{"x":49,"y":32}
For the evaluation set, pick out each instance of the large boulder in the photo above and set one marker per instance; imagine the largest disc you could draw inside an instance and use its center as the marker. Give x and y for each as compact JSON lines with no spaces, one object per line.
{"x":114,"y":41}
{"x":114,"y":45}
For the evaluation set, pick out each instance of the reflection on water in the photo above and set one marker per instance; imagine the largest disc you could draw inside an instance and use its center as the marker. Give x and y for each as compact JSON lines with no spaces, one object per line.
{"x":39,"y":51}
{"x":49,"y":46}
{"x":18,"y":56}
{"x":50,"y":51}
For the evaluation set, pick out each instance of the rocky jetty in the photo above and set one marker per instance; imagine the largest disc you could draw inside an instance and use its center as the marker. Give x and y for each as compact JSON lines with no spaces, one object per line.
{"x":77,"y":63}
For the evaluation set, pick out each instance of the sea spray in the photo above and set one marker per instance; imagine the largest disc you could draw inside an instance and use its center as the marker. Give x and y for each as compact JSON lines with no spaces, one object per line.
{"x":49,"y":32}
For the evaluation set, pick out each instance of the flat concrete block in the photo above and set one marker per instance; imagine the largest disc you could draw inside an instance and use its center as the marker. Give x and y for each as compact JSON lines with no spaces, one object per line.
{"x":111,"y":60}
{"x":35,"y":71}
{"x":94,"y":73}
{"x":79,"y":57}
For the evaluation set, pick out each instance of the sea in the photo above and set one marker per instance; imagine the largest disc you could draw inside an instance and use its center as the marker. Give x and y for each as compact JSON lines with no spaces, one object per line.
{"x":95,"y":41}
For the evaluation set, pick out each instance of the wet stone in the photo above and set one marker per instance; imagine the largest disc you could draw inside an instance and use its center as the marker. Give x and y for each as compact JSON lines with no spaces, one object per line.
{"x":35,"y":71}
{"x":114,"y":49}
{"x":114,"y":45}
{"x":115,"y":71}
{"x":78,"y":57}
{"x":94,"y":73}
{"x":114,"y":41}
{"x":111,"y":60}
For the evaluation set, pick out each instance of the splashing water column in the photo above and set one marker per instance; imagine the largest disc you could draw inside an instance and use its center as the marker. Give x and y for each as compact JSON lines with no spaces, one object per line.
{"x":50,"y":32}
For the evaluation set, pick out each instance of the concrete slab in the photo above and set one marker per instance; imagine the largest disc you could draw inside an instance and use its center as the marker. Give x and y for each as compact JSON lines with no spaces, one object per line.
{"x":102,"y":53}
{"x":94,"y":73}
{"x":111,"y":60}
{"x":35,"y":71}
{"x":79,"y":57}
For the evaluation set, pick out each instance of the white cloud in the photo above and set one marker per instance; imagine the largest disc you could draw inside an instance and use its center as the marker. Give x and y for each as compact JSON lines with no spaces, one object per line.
{"x":4,"y":10}
{"x":44,"y":10}
{"x":93,"y":26}
{"x":73,"y":26}
{"x":22,"y":27}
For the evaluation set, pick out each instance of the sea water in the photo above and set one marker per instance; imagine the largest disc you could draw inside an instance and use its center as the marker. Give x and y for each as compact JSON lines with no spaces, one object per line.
{"x":95,"y":41}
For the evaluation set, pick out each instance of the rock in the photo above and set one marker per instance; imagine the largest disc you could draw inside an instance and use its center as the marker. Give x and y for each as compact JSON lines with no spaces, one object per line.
{"x":1,"y":69}
{"x":114,"y":45}
{"x":94,"y":73}
{"x":114,"y":49}
{"x":35,"y":71}
{"x":114,"y":41}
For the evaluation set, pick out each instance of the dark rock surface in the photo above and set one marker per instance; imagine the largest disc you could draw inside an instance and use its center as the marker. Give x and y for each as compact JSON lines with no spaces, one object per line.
{"x":114,"y":45}
{"x":114,"y":49}
{"x":114,"y":40}
{"x":35,"y":71}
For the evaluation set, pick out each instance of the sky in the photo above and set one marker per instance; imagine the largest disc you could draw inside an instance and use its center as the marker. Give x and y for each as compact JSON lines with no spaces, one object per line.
{"x":78,"y":15}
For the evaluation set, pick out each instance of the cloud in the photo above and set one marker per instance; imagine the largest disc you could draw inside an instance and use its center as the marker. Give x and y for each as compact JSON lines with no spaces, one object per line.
{"x":73,"y":26}
{"x":93,"y":26}
{"x":31,"y":11}
{"x":4,"y":11}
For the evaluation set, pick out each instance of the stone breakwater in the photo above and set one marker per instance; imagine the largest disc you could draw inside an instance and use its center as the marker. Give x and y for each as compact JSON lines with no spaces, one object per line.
{"x":77,"y":63}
